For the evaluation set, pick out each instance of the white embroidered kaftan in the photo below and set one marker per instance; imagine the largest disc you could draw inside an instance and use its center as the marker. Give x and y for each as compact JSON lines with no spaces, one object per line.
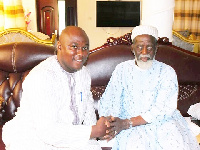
{"x":44,"y":118}
{"x":152,"y":94}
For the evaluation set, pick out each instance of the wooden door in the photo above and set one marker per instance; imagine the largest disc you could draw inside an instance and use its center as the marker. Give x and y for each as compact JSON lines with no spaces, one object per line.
{"x":71,"y":12}
{"x":47,"y":16}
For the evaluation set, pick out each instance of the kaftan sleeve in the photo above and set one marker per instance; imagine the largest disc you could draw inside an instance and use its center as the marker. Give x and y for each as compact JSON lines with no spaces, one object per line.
{"x":166,"y":98}
{"x":110,"y":103}
{"x":89,"y":115}
{"x":42,"y":92}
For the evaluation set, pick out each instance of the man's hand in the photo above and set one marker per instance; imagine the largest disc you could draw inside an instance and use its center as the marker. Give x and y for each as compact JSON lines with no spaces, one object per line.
{"x":116,"y":125}
{"x":99,"y":130}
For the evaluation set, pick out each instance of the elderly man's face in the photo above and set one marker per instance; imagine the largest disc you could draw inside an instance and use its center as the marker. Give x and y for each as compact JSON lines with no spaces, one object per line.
{"x":73,"y":51}
{"x":144,"y":47}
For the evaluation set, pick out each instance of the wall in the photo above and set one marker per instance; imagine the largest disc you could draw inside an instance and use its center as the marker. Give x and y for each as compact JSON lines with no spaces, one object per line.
{"x":98,"y":35}
{"x":87,"y":20}
{"x":159,"y":15}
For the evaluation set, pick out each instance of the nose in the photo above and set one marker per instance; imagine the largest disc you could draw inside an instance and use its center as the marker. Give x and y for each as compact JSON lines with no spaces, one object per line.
{"x":144,"y":50}
{"x":80,"y":52}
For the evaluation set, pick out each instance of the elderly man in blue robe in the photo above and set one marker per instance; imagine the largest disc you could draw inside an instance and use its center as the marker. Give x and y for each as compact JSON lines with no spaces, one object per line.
{"x":140,"y":101}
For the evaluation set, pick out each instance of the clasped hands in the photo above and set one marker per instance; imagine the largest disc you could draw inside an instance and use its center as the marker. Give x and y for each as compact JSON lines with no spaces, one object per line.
{"x":114,"y":126}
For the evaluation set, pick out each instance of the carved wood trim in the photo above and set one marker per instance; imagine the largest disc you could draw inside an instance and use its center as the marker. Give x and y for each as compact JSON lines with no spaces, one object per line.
{"x":19,"y":35}
{"x":111,"y":41}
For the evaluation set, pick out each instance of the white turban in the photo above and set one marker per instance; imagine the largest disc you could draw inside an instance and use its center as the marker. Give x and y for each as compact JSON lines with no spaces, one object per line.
{"x":144,"y":29}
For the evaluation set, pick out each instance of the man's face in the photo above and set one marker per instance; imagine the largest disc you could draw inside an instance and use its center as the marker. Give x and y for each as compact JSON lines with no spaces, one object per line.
{"x":144,"y":48}
{"x":73,"y":51}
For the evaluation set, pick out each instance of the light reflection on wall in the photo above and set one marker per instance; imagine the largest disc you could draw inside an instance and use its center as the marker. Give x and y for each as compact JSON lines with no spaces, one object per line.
{"x":61,"y":11}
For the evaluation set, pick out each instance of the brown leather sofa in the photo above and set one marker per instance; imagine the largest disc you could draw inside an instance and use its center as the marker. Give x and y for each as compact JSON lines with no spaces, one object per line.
{"x":17,"y":59}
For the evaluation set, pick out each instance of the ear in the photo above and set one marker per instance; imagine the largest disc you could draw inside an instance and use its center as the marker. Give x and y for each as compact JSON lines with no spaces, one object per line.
{"x":156,"y":48}
{"x":58,"y":46}
{"x":132,"y":48}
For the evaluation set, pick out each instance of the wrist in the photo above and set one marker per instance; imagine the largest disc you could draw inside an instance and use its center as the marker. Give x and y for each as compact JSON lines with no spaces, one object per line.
{"x":127,"y":124}
{"x":130,"y":123}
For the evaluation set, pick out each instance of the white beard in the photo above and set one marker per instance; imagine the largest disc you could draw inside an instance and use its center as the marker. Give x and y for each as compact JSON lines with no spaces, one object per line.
{"x":144,"y":65}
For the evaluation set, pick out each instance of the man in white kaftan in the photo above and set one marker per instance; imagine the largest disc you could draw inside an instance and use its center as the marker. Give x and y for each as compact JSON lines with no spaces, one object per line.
{"x":143,"y":103}
{"x":46,"y":119}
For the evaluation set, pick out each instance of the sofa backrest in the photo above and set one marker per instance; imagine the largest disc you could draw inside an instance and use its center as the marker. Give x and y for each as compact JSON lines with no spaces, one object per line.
{"x":187,"y":67}
{"x":16,"y":60}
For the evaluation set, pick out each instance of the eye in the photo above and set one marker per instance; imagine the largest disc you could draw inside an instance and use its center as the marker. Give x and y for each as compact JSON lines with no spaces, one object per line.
{"x":74,"y":47}
{"x":150,"y":48}
{"x":139,"y":47}
{"x":85,"y":48}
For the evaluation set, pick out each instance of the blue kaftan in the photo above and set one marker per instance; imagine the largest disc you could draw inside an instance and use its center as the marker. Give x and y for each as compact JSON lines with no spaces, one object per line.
{"x":152,"y":94}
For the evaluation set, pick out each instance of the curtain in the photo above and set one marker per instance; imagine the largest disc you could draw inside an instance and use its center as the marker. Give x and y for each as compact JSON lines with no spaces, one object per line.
{"x":1,"y":15}
{"x":187,"y":16}
{"x":12,"y":14}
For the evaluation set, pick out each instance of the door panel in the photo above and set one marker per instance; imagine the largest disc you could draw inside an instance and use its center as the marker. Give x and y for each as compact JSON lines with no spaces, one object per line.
{"x":47,"y":16}
{"x":71,"y":12}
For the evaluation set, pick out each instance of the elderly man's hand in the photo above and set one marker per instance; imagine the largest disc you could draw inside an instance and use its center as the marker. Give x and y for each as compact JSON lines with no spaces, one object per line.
{"x":116,"y":125}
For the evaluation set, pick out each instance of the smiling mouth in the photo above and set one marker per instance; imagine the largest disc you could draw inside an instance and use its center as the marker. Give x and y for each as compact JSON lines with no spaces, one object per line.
{"x":78,"y":58}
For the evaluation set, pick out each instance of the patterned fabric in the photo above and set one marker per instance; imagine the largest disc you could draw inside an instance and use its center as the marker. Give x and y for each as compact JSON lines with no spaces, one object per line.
{"x":14,"y":37}
{"x":44,"y":120}
{"x":152,"y":94}
{"x":187,"y":16}
{"x":12,"y":14}
{"x":73,"y":106}
{"x":182,"y":44}
{"x":144,"y":29}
